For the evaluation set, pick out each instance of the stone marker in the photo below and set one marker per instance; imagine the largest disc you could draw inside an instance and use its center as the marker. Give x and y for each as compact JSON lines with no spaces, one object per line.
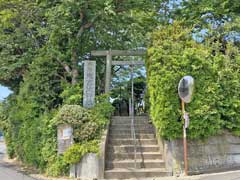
{"x":65,"y":137}
{"x":89,"y":84}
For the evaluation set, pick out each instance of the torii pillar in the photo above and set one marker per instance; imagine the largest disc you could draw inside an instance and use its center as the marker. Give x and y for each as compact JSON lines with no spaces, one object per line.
{"x":109,"y":54}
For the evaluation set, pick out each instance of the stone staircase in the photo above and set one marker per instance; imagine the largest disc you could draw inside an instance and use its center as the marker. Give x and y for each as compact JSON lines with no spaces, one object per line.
{"x":120,"y":162}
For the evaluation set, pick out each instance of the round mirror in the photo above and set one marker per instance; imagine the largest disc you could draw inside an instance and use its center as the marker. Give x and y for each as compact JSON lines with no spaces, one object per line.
{"x":185,"y":88}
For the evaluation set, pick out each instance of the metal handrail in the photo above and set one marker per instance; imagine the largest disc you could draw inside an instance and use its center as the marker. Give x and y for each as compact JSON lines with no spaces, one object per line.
{"x":133,"y":133}
{"x":134,"y":138}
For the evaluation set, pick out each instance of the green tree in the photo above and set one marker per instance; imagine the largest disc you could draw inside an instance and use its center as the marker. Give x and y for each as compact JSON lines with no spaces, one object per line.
{"x":19,"y":39}
{"x":173,"y":53}
{"x":69,"y":30}
{"x":42,"y":48}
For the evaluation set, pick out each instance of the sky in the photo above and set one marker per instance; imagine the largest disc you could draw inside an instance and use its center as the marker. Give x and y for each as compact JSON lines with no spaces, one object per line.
{"x":4,"y":92}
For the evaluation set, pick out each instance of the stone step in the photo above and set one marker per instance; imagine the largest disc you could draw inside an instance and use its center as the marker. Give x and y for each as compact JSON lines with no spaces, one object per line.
{"x":128,"y":136}
{"x":139,"y":164}
{"x":141,"y":123}
{"x":129,"y":117}
{"x":127,"y":125}
{"x":135,"y":173}
{"x":127,"y":120}
{"x":144,"y":155}
{"x":128,"y":131}
{"x":130,"y":148}
{"x":137,"y":127}
{"x":132,"y":142}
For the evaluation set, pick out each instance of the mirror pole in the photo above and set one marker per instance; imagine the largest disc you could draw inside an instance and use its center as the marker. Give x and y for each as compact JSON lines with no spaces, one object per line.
{"x":184,"y":141}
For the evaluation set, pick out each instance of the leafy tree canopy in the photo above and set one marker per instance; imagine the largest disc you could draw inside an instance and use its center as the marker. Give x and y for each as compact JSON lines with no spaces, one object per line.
{"x":68,"y":31}
{"x":42,"y":46}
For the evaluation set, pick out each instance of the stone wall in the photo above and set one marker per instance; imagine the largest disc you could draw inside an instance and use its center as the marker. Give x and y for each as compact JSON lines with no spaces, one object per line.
{"x":87,"y":168}
{"x":91,"y":165}
{"x":217,"y":153}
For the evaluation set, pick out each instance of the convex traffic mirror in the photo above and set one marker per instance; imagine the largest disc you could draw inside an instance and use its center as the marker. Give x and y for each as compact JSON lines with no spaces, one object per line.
{"x":185,"y":91}
{"x":185,"y":88}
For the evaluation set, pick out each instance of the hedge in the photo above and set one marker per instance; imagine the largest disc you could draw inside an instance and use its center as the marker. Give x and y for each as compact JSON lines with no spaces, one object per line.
{"x":172,"y":54}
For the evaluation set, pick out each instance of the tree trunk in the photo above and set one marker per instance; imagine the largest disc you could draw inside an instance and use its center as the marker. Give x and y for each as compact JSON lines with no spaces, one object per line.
{"x":75,"y":75}
{"x":75,"y":72}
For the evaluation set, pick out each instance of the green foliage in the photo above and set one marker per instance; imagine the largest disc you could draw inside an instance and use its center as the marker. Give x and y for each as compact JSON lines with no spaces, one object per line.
{"x":87,"y":123}
{"x":42,"y":48}
{"x":72,"y":94}
{"x":58,"y":167}
{"x":43,"y":45}
{"x":68,"y":31}
{"x":229,"y":75}
{"x":72,"y":114}
{"x":30,"y":134}
{"x":7,"y":128}
{"x":90,"y":130}
{"x":103,"y":109}
{"x":80,"y":119}
{"x":173,"y":54}
{"x":77,"y":151}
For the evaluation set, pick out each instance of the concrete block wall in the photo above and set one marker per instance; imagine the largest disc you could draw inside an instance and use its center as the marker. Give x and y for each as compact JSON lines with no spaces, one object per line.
{"x":87,"y":168}
{"x":91,"y":165}
{"x":217,"y":153}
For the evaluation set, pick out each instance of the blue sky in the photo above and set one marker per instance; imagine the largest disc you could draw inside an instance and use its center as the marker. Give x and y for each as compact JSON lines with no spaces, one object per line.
{"x":4,"y":92}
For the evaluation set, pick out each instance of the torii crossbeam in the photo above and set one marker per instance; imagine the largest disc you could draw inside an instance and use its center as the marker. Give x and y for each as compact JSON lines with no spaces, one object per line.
{"x":110,"y":53}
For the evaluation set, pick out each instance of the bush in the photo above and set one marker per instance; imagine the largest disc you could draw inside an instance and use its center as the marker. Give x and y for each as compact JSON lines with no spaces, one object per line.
{"x":74,"y":154}
{"x":72,"y":114}
{"x":88,"y":132}
{"x":88,"y":125}
{"x":81,"y":120}
{"x":58,"y":167}
{"x":102,"y":110}
{"x":72,"y":94}
{"x":215,"y":105}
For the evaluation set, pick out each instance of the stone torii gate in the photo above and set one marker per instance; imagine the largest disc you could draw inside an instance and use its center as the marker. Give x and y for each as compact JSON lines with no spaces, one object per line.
{"x":109,"y":54}
{"x":90,"y":71}
{"x":97,"y":170}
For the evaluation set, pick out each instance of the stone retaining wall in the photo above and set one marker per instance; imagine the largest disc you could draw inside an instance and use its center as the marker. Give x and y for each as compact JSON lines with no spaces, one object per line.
{"x":217,"y":153}
{"x":91,"y":165}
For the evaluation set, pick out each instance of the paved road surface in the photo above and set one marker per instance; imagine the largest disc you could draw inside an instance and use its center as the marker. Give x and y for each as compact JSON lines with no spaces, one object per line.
{"x":10,"y":172}
{"x":232,"y":175}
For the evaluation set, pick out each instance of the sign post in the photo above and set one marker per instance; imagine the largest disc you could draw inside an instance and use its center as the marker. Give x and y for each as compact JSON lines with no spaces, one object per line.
{"x":185,"y":91}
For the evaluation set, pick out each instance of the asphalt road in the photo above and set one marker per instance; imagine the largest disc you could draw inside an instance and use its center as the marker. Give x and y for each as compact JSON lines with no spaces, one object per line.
{"x":10,"y":172}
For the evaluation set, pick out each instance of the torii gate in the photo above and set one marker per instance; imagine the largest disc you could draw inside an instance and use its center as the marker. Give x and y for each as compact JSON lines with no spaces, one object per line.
{"x":109,"y":54}
{"x":90,"y":71}
{"x":90,"y":80}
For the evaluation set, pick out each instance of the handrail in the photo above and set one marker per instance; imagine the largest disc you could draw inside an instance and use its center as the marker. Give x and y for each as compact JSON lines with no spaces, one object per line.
{"x":134,"y":138}
{"x":133,"y":134}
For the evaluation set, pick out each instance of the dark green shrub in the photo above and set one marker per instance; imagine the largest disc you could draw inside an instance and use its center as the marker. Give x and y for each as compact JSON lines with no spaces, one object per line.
{"x":102,"y":110}
{"x":72,"y":94}
{"x":58,"y":167}
{"x":88,"y":125}
{"x":72,"y":114}
{"x":87,"y":132}
{"x":173,"y":54}
{"x":81,"y":120}
{"x":229,"y":83}
{"x":77,"y":151}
